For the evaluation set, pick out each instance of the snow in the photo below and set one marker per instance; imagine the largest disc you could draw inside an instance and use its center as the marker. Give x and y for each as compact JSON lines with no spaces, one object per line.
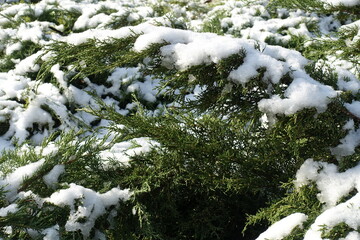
{"x":48,"y":92}
{"x":352,"y":236}
{"x":32,"y":114}
{"x":186,"y":49}
{"x":13,"y":87}
{"x":283,"y":228}
{"x":27,"y":65}
{"x":348,"y":81}
{"x":254,"y":21}
{"x":12,"y":48}
{"x":182,"y":50}
{"x":12,"y":208}
{"x":94,"y":205}
{"x":147,"y":89}
{"x":31,"y":32}
{"x":328,"y":24}
{"x":348,"y":3}
{"x":59,"y":75}
{"x":347,"y":144}
{"x":122,"y":151}
{"x":51,"y":179}
{"x":302,"y":93}
{"x":347,"y":212}
{"x":51,"y":233}
{"x":48,"y":150}
{"x":101,"y":34}
{"x":130,"y":77}
{"x":333,"y":186}
{"x":12,"y":182}
{"x":354,"y":108}
{"x":309,"y":171}
{"x":252,"y":63}
{"x":5,"y":145}
{"x":25,"y":102}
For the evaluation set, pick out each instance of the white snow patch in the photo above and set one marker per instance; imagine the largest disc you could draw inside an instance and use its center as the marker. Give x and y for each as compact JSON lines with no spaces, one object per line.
{"x":333,"y":185}
{"x":347,"y":3}
{"x":12,"y":182}
{"x":352,"y":236}
{"x":52,"y":177}
{"x":347,"y":81}
{"x":347,"y":212}
{"x":93,"y":205}
{"x":12,"y":208}
{"x":32,"y":31}
{"x":12,"y":48}
{"x":27,"y":65}
{"x":283,"y":228}
{"x":352,"y":139}
{"x":49,"y":149}
{"x":122,"y":151}
{"x":26,"y":118}
{"x":301,"y":93}
{"x":347,"y":145}
{"x":354,"y":108}
{"x":51,"y":233}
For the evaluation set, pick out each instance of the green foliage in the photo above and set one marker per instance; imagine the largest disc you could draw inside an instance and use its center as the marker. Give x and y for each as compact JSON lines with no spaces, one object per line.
{"x":345,"y":47}
{"x":216,"y":161}
{"x":122,"y":21}
{"x":84,"y":166}
{"x":339,"y":231}
{"x":343,"y":12}
{"x":27,"y":48}
{"x":208,"y":148}
{"x":350,"y":161}
{"x":296,"y":200}
{"x":72,"y":149}
{"x":160,"y":8}
{"x":213,"y":23}
{"x":52,"y":14}
{"x":93,"y":59}
{"x":29,"y":215}
{"x":200,"y":175}
{"x":295,"y":4}
{"x":216,"y":155}
{"x":295,"y":42}
{"x":342,"y":44}
{"x":67,"y":18}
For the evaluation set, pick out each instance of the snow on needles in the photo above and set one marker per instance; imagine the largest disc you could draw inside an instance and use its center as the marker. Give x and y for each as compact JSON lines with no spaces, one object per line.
{"x":32,"y":110}
{"x":12,"y":182}
{"x":184,"y":49}
{"x":94,"y":205}
{"x":348,"y":3}
{"x":283,"y":228}
{"x":302,"y":93}
{"x":333,"y":186}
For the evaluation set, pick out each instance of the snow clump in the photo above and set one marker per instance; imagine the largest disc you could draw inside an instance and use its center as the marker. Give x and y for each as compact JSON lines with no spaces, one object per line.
{"x":283,"y":228}
{"x":94,"y":205}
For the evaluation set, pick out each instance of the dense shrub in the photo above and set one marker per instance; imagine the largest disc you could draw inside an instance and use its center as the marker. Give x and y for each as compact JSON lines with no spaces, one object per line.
{"x":177,"y":120}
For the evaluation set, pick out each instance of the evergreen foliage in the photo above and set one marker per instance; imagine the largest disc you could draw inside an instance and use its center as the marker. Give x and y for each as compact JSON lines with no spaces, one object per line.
{"x":121,"y":137}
